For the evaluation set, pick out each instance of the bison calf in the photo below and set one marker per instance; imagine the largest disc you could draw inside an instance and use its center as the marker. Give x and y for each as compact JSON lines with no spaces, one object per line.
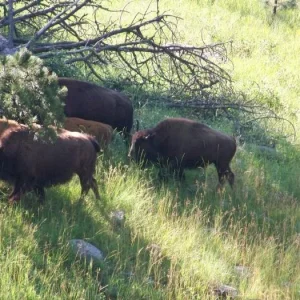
{"x":33,"y":164}
{"x":182,"y":143}
{"x":102,"y":132}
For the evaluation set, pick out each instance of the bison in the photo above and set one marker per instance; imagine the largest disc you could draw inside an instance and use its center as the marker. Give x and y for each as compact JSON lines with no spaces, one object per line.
{"x":182,"y":143}
{"x":32,"y":164}
{"x":5,"y":124}
{"x":102,"y":132}
{"x":92,"y":102}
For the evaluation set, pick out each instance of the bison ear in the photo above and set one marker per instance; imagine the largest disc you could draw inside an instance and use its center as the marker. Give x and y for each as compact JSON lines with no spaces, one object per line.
{"x":149,"y":135}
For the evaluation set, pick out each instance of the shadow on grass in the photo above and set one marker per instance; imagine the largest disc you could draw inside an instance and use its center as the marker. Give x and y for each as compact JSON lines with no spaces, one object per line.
{"x":265,"y":198}
{"x":132,"y":268}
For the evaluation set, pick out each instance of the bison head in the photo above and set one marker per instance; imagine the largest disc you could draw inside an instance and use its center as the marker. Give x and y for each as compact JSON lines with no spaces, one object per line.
{"x":143,"y":146}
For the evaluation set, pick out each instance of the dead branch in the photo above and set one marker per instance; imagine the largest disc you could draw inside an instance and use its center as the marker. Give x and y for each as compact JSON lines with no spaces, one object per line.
{"x":246,"y":111}
{"x":144,"y":48}
{"x":11,"y":24}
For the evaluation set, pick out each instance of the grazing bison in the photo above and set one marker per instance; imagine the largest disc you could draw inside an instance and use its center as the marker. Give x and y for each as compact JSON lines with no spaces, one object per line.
{"x":5,"y":124}
{"x":92,"y":102}
{"x":102,"y":132}
{"x":182,"y":143}
{"x":33,"y":164}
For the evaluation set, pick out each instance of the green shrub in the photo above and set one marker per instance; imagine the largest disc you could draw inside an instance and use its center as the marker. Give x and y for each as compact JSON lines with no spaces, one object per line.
{"x":29,"y":92}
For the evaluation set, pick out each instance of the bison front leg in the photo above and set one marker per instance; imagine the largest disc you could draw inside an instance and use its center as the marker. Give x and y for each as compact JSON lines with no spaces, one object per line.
{"x":15,"y":195}
{"x":230,"y":177}
{"x":40,"y":192}
{"x":224,"y":173}
{"x":86,"y":184}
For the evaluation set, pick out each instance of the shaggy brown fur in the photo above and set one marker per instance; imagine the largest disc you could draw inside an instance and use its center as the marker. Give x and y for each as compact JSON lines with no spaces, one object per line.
{"x":92,"y":102}
{"x":183,"y":143}
{"x":102,"y":132}
{"x":32,"y":165}
{"x":9,"y":124}
{"x":5,"y":124}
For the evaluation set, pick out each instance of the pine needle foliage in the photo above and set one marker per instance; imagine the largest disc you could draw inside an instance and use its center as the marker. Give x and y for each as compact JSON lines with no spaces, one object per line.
{"x":29,"y":92}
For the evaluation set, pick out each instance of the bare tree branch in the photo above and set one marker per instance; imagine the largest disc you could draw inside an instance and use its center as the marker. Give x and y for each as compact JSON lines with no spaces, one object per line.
{"x":53,"y":22}
{"x":11,"y":24}
{"x":144,"y":48}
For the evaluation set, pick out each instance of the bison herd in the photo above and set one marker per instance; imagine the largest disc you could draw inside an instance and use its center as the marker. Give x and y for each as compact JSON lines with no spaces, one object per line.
{"x":92,"y":112}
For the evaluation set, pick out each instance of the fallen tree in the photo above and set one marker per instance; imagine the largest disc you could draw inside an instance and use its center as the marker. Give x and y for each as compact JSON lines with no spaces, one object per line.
{"x":144,"y":50}
{"x":246,"y":113}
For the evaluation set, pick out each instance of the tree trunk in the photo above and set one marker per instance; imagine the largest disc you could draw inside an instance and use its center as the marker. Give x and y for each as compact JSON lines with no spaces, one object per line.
{"x":11,"y":24}
{"x":275,"y":7}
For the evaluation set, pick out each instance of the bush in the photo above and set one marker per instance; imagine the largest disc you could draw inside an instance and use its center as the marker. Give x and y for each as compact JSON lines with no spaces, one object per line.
{"x":29,"y":92}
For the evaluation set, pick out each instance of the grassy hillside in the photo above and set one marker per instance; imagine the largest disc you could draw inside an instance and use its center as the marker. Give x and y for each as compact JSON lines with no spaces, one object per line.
{"x":179,"y":240}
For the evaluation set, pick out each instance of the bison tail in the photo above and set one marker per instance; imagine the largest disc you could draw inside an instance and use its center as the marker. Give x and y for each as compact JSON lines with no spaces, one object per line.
{"x":95,"y":144}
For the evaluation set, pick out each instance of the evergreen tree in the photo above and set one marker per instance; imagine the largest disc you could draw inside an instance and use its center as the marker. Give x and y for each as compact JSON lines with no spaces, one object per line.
{"x":29,"y":92}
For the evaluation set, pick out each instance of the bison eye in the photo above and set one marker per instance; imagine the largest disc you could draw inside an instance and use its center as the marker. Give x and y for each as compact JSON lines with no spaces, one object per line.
{"x":150,"y":135}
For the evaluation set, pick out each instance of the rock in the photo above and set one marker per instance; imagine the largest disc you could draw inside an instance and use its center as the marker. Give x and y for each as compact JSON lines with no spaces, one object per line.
{"x":150,"y":281}
{"x":111,"y":292}
{"x":242,"y":271}
{"x":155,"y":252}
{"x":225,"y":291}
{"x":128,"y":275}
{"x":86,"y":250}
{"x":118,"y":218}
{"x":153,"y":248}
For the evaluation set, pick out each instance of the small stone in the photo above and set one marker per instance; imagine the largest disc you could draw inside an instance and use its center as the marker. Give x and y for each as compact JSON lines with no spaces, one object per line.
{"x":225,"y":291}
{"x":86,"y":250}
{"x":128,"y":276}
{"x":242,"y":271}
{"x":150,"y":281}
{"x":111,"y":292}
{"x":117,"y":218}
{"x":153,"y":248}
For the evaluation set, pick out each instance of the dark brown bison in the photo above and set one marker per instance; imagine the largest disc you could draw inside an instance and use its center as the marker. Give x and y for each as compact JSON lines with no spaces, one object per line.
{"x":102,"y":132}
{"x":92,"y":102}
{"x":32,"y":164}
{"x":181,"y":143}
{"x":5,"y":124}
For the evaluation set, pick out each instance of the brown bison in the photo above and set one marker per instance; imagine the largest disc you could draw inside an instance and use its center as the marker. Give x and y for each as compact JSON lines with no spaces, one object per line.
{"x":181,"y":143}
{"x":102,"y":132}
{"x":32,"y":164}
{"x":92,"y":102}
{"x":5,"y":124}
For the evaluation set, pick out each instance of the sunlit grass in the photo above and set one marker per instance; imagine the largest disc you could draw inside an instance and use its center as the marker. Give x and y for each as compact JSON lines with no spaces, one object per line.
{"x":179,"y":240}
{"x":201,"y":236}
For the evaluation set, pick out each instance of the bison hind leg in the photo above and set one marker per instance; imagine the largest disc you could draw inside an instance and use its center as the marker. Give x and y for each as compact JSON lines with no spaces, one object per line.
{"x":95,"y":188}
{"x":18,"y":191}
{"x":225,"y":173}
{"x":230,"y":177}
{"x":86,"y":184}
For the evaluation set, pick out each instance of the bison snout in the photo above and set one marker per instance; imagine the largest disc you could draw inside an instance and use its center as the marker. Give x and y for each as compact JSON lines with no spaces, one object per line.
{"x":131,"y":151}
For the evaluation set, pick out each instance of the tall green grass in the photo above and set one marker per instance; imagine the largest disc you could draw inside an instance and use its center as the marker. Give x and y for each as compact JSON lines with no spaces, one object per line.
{"x":179,"y":240}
